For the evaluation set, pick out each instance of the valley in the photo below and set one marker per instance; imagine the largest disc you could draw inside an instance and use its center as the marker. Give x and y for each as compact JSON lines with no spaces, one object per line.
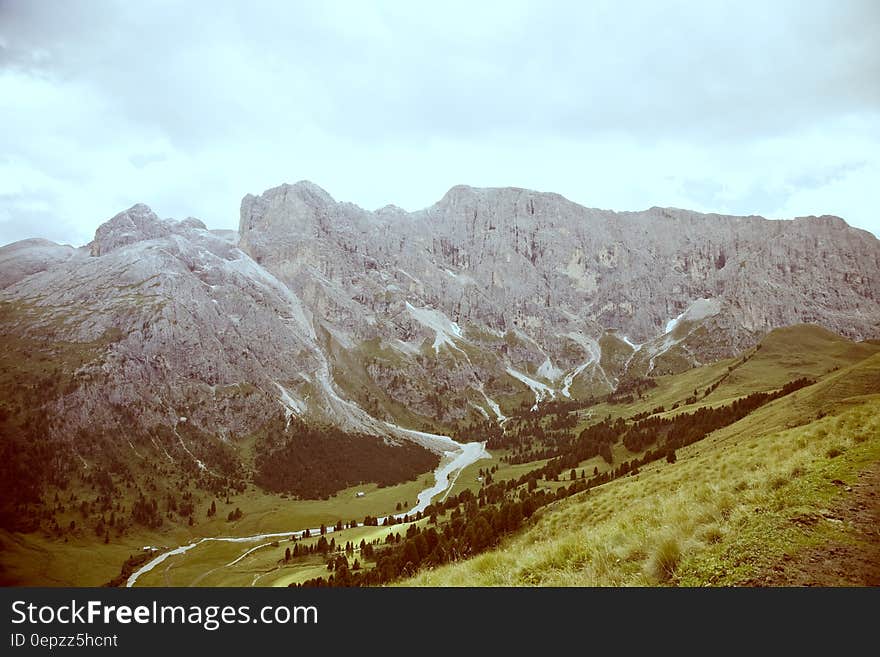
{"x":332,"y":396}
{"x":595,"y":521}
{"x":768,"y":470}
{"x":444,"y":479}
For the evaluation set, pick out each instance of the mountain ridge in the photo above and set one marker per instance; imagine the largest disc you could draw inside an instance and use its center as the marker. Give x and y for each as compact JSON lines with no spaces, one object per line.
{"x":487,"y":303}
{"x":319,"y":192}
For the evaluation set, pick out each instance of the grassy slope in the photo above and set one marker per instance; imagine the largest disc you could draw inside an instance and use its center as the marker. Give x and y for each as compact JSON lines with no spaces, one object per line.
{"x":85,"y":561}
{"x":785,"y":354}
{"x":805,"y":350}
{"x":846,"y":387}
{"x":732,"y":505}
{"x":37,"y":560}
{"x":263,"y":567}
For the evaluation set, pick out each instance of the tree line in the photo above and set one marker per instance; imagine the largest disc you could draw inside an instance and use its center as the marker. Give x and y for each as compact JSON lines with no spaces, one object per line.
{"x":315,"y":462}
{"x":476,"y":523}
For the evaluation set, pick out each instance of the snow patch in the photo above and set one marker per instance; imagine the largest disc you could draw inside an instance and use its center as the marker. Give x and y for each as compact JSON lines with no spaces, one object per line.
{"x":342,"y":409}
{"x":405,"y":347}
{"x":201,"y":465}
{"x":571,"y":376}
{"x":672,"y":323}
{"x":432,"y":441}
{"x":636,"y":349}
{"x":342,"y":338}
{"x":445,"y":330}
{"x":549,"y":371}
{"x":409,"y":276}
{"x":540,"y":390}
{"x":494,"y":406}
{"x":699,"y":309}
{"x":589,"y":344}
{"x":594,"y":352}
{"x":292,"y":407}
{"x":480,"y":409}
{"x":462,"y":279}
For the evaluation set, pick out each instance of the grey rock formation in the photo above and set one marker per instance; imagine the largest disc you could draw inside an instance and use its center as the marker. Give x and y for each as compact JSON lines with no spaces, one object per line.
{"x":27,"y":257}
{"x":532,"y":280}
{"x":489,"y":300}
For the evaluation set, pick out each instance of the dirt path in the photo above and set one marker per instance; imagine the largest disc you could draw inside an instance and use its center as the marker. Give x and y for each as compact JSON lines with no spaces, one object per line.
{"x":839,"y":564}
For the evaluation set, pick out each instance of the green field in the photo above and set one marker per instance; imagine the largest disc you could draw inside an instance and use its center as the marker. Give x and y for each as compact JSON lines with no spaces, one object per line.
{"x":729,"y":507}
{"x":726,"y":509}
{"x":35,"y":559}
{"x":209,"y":564}
{"x":734,"y":504}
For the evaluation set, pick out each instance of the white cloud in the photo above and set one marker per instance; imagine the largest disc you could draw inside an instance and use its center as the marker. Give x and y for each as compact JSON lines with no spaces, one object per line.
{"x":748,"y":109}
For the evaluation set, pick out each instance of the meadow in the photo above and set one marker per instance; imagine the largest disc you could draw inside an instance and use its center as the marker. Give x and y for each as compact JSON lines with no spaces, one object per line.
{"x":731,"y":506}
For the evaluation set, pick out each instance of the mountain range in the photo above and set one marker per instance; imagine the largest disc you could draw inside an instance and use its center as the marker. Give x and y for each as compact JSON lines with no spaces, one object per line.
{"x":392,"y":324}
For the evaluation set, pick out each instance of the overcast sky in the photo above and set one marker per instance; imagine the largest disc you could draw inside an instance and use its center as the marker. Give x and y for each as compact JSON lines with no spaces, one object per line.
{"x":733,"y":107}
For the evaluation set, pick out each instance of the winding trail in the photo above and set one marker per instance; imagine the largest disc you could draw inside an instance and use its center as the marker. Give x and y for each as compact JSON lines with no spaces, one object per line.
{"x":453,"y":462}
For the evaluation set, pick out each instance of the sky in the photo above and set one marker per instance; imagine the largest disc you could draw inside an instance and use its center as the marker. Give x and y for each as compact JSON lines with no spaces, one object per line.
{"x":730,"y":107}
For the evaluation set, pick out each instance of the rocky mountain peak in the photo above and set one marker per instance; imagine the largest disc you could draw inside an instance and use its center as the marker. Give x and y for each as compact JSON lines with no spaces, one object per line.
{"x":137,"y":223}
{"x":193,"y":223}
{"x":309,"y":192}
{"x":284,"y":220}
{"x":286,"y":207}
{"x":826,"y":221}
{"x":485,"y":301}
{"x":457,"y":193}
{"x":391,"y":210}
{"x":465,"y":195}
{"x":26,"y":257}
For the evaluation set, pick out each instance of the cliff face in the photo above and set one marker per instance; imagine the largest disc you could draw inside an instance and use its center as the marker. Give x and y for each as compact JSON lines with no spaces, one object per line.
{"x":555,"y":276}
{"x":488,"y":299}
{"x":512,"y":257}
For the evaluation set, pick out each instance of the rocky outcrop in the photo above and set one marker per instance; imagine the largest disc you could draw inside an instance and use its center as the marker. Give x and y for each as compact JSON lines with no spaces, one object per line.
{"x":184,"y":325}
{"x":489,"y":300}
{"x":22,"y":259}
{"x":136,"y":224}
{"x":514,"y":260}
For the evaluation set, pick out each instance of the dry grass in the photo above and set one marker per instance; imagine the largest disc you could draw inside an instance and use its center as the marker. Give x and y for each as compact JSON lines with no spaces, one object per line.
{"x":720,"y":513}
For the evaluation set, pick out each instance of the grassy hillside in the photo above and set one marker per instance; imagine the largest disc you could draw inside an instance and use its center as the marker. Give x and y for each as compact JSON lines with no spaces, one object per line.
{"x":735,"y":502}
{"x":842,"y":388}
{"x":789,"y":353}
{"x":748,"y":495}
{"x":719,"y":515}
{"x":785,"y":354}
